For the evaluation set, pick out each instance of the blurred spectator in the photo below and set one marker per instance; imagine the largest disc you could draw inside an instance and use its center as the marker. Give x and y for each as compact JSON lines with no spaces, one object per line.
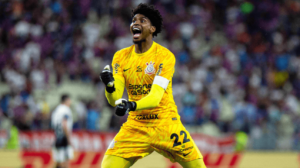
{"x":92,"y":117}
{"x":81,"y":110}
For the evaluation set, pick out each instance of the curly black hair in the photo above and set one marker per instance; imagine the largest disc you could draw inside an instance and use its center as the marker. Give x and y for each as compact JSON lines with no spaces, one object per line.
{"x":152,"y":14}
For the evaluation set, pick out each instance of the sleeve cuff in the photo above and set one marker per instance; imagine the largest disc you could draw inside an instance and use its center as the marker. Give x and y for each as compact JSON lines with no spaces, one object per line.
{"x":110,"y":89}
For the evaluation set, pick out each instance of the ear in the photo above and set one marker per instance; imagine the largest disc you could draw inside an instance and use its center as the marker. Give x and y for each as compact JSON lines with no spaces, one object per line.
{"x":152,"y":29}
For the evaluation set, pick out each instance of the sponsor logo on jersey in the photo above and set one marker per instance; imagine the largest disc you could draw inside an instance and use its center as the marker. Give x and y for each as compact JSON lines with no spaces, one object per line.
{"x":139,"y":89}
{"x":159,"y":69}
{"x":139,"y":69}
{"x":139,"y":92}
{"x":116,"y":67}
{"x":147,"y":117}
{"x":150,"y":70}
{"x":183,"y":151}
{"x":186,"y":154}
{"x":147,"y":86}
{"x":124,"y":70}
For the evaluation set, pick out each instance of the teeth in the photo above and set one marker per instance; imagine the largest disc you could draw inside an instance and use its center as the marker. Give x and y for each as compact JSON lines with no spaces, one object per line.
{"x":136,"y":28}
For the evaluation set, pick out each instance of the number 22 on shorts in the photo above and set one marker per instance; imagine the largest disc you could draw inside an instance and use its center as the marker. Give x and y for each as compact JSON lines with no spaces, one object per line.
{"x":176,"y":143}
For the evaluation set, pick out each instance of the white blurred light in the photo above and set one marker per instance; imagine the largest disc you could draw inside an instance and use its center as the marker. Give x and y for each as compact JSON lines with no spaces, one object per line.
{"x":276,"y":95}
{"x":22,"y":28}
{"x":195,"y":10}
{"x":137,"y":2}
{"x":186,"y":30}
{"x":36,"y":30}
{"x":277,"y":38}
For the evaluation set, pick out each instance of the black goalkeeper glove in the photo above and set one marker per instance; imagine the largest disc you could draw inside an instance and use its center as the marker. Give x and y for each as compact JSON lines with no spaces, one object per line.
{"x":124,"y":106}
{"x":107,"y":78}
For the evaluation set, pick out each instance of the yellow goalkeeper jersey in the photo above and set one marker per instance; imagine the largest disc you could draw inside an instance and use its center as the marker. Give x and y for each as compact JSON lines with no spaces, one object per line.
{"x":137,"y":72}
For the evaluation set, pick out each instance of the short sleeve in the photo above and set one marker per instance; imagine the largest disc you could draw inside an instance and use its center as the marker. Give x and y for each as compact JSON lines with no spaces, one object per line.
{"x":166,"y":67}
{"x":117,"y":69}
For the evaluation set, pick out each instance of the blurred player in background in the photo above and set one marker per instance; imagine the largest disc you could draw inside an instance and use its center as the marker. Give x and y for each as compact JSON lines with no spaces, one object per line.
{"x":146,"y":70}
{"x":62,"y":122}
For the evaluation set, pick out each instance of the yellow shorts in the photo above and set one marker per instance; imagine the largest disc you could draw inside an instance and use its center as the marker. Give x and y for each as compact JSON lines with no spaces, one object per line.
{"x":172,"y":141}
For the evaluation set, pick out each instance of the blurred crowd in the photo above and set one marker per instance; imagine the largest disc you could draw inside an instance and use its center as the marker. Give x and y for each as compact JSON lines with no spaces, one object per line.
{"x":237,"y":69}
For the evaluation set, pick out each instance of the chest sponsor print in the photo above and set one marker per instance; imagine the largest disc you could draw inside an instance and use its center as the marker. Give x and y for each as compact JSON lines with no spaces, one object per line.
{"x":147,"y":117}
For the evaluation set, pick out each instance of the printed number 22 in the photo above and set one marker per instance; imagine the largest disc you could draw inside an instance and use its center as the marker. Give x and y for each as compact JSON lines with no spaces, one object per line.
{"x":176,"y":143}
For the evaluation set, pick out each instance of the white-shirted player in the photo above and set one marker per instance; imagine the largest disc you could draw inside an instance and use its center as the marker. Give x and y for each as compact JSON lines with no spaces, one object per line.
{"x":62,"y":123}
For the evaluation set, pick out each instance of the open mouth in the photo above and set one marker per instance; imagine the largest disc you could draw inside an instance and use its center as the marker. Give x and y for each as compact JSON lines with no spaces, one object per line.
{"x":136,"y":32}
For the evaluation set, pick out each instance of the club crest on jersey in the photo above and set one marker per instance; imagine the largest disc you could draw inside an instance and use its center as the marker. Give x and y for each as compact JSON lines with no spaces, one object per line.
{"x":150,"y":70}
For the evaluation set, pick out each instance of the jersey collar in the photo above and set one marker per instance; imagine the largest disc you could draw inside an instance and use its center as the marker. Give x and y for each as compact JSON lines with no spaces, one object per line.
{"x":147,"y":52}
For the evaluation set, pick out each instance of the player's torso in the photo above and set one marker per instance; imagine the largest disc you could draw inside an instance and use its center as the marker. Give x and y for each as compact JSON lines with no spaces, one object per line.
{"x":57,"y":118}
{"x":139,"y":73}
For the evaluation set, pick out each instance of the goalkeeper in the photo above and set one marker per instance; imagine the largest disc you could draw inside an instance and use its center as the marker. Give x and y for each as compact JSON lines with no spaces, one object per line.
{"x":146,"y":70}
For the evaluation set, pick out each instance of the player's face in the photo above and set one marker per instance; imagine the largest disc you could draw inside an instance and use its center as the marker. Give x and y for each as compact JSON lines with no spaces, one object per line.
{"x":140,"y":28}
{"x":68,"y":102}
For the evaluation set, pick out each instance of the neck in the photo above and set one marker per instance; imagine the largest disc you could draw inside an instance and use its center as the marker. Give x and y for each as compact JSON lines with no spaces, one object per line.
{"x":65,"y":104}
{"x":143,"y":46}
